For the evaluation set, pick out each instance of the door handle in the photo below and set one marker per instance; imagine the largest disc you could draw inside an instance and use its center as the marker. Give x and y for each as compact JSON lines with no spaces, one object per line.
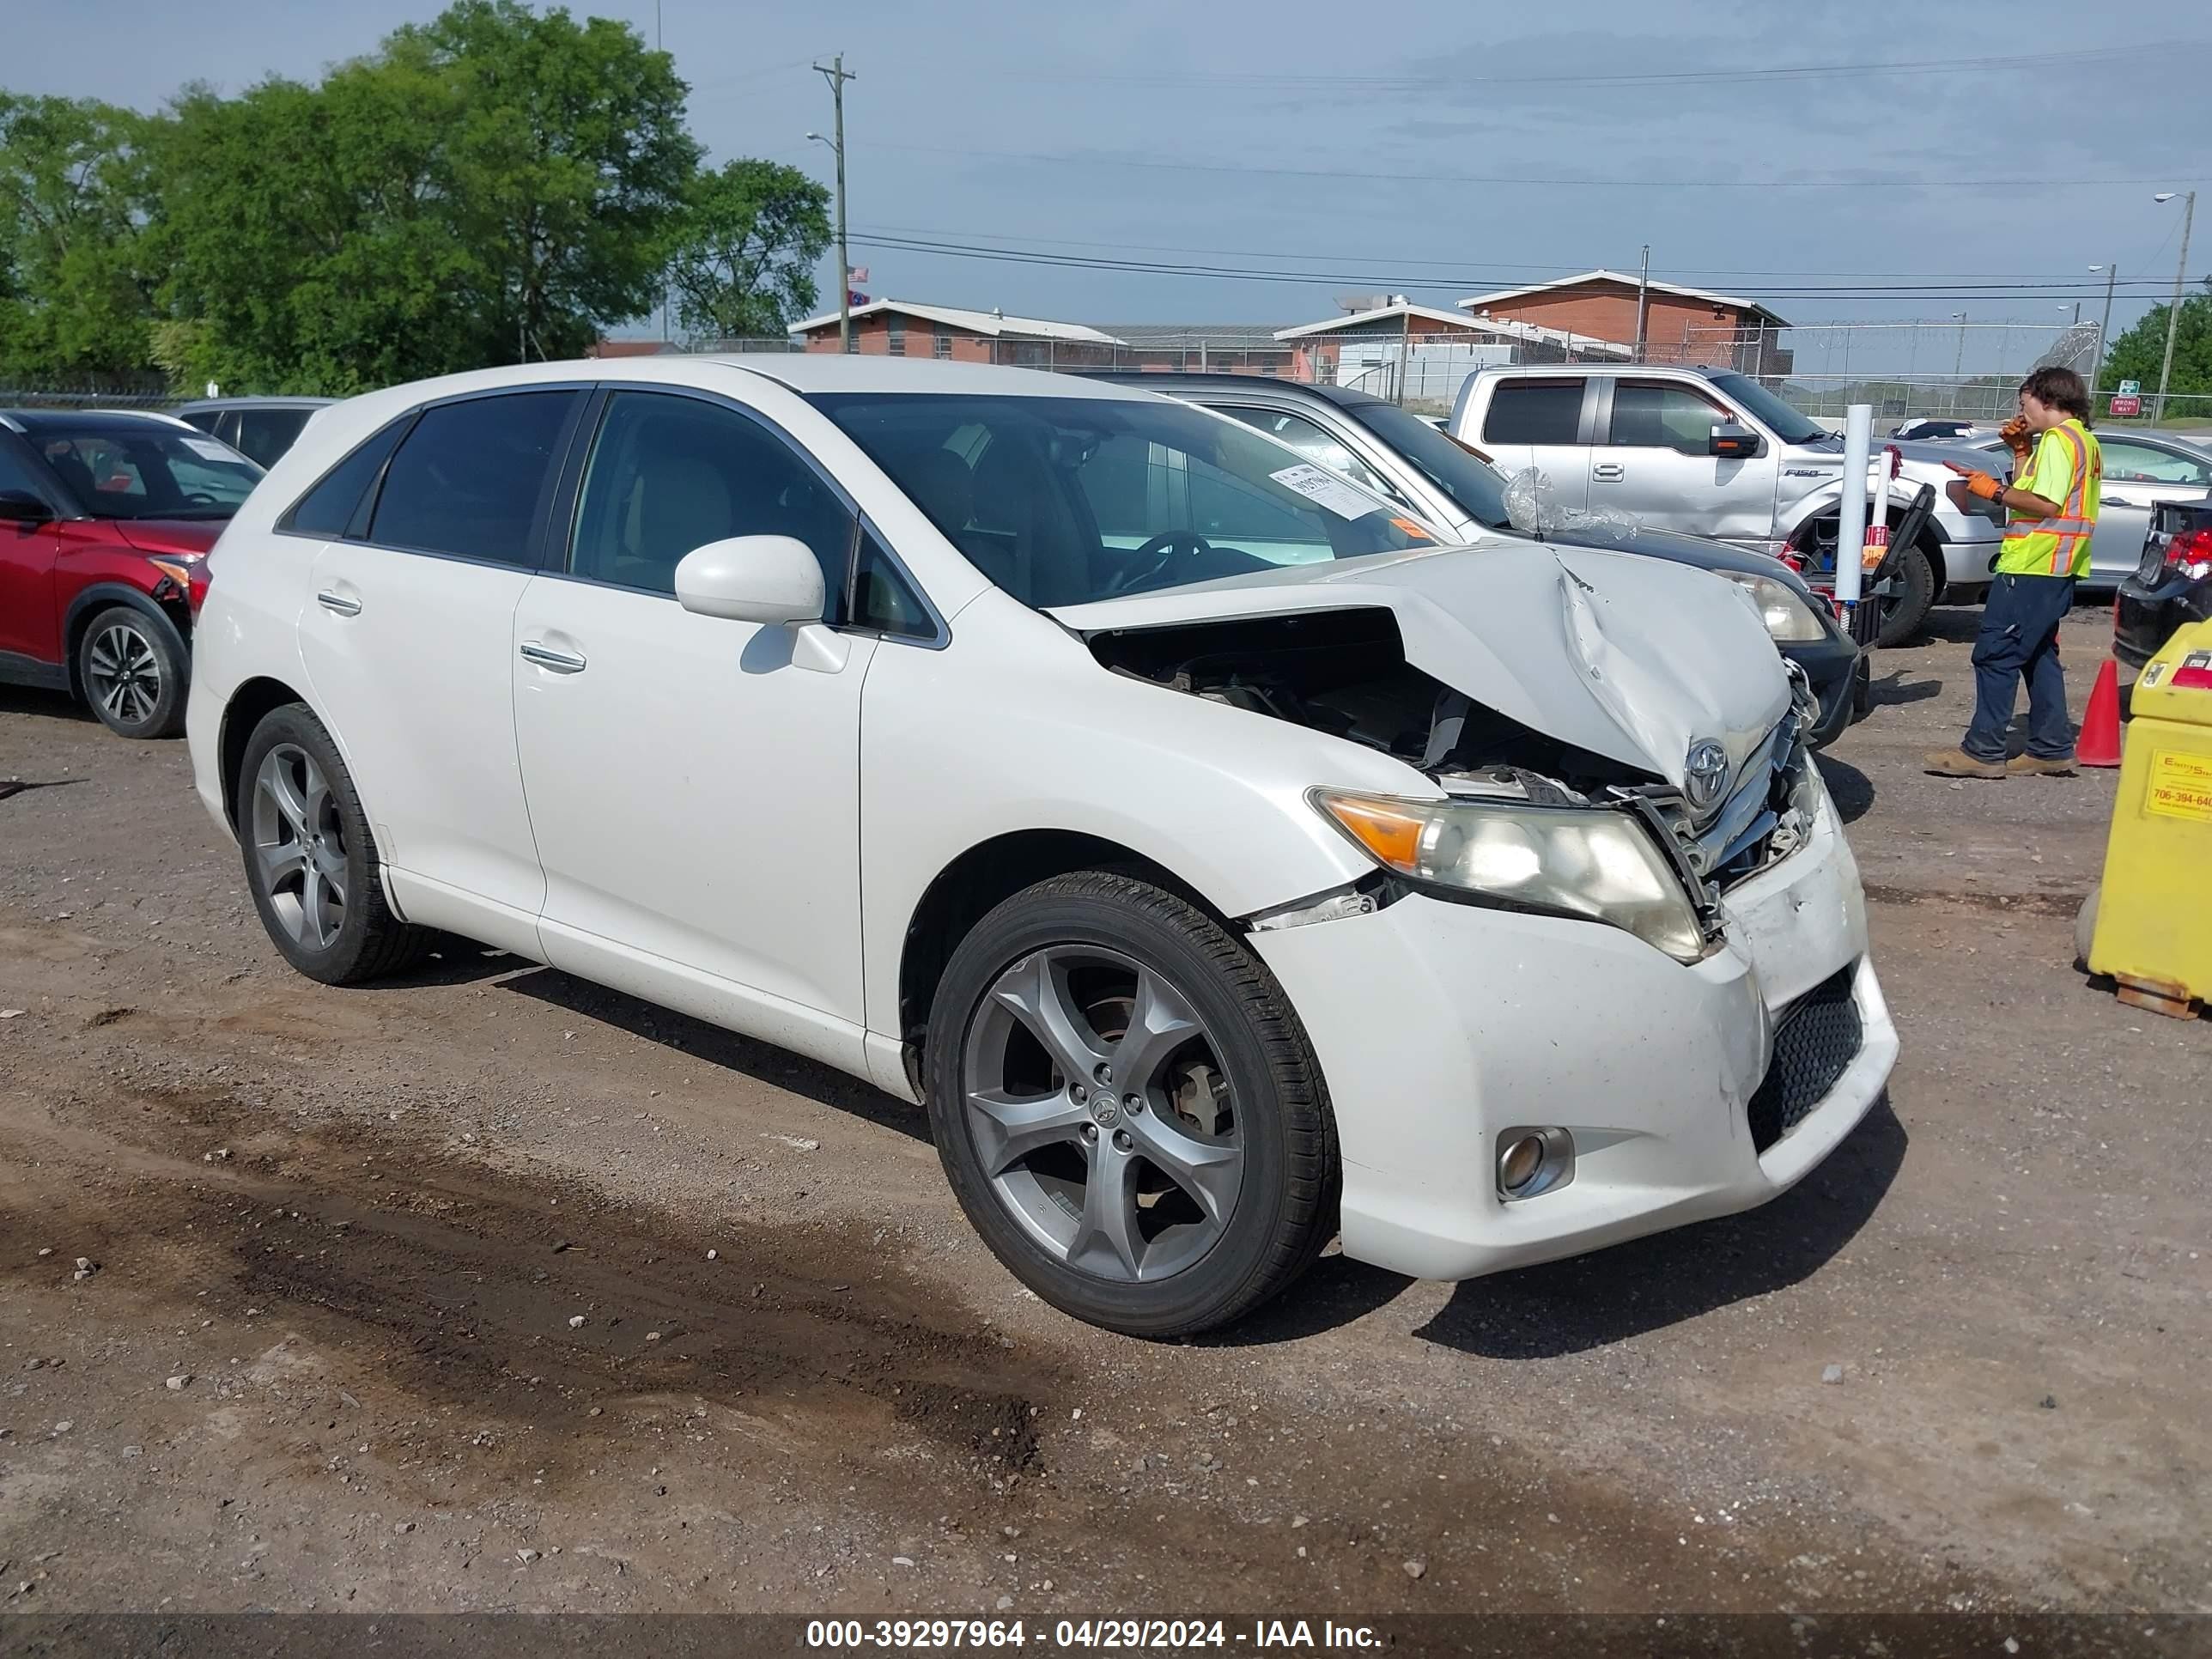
{"x":560,"y":662}
{"x":1608,"y":472}
{"x":344,"y":605}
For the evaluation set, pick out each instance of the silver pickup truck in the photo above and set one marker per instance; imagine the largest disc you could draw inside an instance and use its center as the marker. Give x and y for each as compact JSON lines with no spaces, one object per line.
{"x":1715,"y":453}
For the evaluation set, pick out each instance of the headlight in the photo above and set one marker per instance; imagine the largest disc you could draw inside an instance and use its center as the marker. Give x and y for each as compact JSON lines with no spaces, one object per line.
{"x":1788,"y":619}
{"x":1564,"y":861}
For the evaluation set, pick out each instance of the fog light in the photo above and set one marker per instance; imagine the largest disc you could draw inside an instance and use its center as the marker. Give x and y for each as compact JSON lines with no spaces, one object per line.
{"x":1532,"y":1160}
{"x":1518,"y":1164}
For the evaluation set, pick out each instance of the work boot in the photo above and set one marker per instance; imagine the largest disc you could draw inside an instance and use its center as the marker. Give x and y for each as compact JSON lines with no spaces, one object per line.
{"x":1958,"y":763}
{"x":2022,"y":766}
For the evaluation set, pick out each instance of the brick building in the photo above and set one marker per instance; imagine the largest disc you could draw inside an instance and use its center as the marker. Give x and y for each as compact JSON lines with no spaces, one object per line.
{"x":1684,"y":324}
{"x":897,"y":328}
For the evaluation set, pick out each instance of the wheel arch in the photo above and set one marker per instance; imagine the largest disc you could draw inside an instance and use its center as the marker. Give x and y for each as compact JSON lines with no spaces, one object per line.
{"x":91,"y":601}
{"x":249,"y":705}
{"x":975,"y":883}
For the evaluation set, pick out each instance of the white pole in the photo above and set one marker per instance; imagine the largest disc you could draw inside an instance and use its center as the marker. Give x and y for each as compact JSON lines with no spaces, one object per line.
{"x":1850,"y":527}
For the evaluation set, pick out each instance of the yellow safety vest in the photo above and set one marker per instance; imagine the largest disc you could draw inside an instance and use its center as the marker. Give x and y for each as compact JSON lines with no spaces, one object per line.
{"x":2058,"y":546}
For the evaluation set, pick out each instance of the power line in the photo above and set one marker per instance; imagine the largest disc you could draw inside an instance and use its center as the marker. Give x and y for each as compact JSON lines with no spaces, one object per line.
{"x":2070,"y":61}
{"x":968,"y":238}
{"x":1372,"y":176}
{"x":2061,"y":289}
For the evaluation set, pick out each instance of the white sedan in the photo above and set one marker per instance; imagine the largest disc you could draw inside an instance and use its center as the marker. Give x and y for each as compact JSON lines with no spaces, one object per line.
{"x":1224,"y":864}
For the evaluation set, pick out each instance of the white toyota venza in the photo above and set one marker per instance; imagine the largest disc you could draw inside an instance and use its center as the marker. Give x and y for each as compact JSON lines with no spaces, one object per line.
{"x":1223,"y":863}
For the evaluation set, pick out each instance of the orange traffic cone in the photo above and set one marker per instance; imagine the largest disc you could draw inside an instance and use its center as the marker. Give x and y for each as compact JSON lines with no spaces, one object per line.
{"x":2099,"y":742}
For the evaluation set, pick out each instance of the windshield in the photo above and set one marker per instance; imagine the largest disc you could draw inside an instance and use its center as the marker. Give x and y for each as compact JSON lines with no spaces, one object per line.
{"x":1475,"y":488}
{"x":161,"y":472}
{"x":1786,"y":422}
{"x":1065,"y":501}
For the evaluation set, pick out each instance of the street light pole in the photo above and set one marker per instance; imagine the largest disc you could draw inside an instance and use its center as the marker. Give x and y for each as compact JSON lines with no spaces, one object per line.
{"x":1958,"y":363}
{"x":836,"y":75}
{"x":2173,"y":313}
{"x":2104,"y":329}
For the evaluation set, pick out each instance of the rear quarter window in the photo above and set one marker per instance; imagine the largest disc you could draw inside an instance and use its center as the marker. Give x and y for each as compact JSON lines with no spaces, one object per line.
{"x":328,"y":508}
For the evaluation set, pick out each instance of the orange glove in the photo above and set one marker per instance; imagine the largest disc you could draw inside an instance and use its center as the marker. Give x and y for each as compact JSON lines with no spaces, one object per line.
{"x":2018,"y":438}
{"x":1981,"y":485}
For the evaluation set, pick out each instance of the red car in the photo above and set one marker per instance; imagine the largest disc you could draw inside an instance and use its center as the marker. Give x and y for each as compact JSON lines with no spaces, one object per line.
{"x":106,"y":520}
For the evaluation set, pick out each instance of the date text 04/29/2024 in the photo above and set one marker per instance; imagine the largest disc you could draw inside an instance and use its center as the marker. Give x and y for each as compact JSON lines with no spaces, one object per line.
{"x":1092,"y":1634}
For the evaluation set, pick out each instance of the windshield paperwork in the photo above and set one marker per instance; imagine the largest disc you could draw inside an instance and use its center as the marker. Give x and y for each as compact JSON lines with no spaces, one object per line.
{"x":159,"y":471}
{"x":1787,"y":423}
{"x":1066,"y":500}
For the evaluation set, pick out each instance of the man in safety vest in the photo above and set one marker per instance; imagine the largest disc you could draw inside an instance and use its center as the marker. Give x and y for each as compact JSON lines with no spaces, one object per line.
{"x":2052,"y":502}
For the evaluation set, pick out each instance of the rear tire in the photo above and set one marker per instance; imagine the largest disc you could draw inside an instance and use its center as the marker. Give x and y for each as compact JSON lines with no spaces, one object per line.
{"x":132,"y":674}
{"x":311,"y":862}
{"x":1904,"y":615}
{"x":1173,"y":1198}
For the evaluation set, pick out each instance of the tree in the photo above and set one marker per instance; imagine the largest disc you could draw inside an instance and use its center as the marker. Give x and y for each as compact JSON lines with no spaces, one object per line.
{"x":743,"y":262}
{"x":2137,"y":355}
{"x":489,"y":187}
{"x":564,"y":170}
{"x":73,"y":194}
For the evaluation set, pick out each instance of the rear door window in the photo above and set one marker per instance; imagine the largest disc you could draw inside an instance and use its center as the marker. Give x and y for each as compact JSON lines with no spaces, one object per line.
{"x":1547,"y":411}
{"x":265,"y":434}
{"x":467,"y":480}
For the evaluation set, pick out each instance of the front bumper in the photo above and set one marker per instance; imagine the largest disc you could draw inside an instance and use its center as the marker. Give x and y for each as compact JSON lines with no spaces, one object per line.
{"x":1835,"y":668}
{"x":1439,"y":1026}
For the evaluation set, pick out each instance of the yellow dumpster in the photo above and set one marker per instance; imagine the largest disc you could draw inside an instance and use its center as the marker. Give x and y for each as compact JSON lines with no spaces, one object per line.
{"x":2150,"y":922}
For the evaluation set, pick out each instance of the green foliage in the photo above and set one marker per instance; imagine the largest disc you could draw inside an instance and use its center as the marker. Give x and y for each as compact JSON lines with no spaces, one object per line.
{"x":2137,"y":355}
{"x":498,"y":183}
{"x":743,"y":262}
{"x":73,"y":193}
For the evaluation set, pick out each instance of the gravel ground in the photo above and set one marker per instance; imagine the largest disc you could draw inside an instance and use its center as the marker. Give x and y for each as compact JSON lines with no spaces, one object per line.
{"x":488,"y":1289}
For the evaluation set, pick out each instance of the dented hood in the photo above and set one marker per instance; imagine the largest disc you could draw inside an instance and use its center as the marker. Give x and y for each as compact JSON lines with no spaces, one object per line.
{"x":1634,"y":658}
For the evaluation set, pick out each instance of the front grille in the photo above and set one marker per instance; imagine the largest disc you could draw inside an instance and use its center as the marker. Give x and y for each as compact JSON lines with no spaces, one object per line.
{"x":1819,"y":1037}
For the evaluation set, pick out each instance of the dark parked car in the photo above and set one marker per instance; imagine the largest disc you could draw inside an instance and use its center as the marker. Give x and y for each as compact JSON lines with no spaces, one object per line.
{"x":1405,"y":459}
{"x":105,"y":520}
{"x":2171,"y":587}
{"x":260,"y":428}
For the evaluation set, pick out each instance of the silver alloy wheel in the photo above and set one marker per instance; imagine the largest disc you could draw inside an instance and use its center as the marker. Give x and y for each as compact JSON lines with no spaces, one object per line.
{"x":1101,"y":1114}
{"x":299,"y":845}
{"x":125,"y":673}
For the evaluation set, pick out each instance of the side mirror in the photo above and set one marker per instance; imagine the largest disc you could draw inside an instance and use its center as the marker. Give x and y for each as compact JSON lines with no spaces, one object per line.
{"x":1733,"y":443}
{"x":772,"y":580}
{"x":21,"y":507}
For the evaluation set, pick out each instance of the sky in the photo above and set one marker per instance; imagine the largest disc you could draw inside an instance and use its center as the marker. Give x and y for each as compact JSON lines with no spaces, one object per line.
{"x":1428,"y":147}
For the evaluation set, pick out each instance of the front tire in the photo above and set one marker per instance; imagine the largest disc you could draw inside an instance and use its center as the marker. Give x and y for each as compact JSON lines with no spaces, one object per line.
{"x":310,"y":860}
{"x":133,"y":675}
{"x":1127,"y":1109}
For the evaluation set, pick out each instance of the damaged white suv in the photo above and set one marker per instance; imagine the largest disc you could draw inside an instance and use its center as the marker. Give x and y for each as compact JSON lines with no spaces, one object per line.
{"x":1223,"y":862}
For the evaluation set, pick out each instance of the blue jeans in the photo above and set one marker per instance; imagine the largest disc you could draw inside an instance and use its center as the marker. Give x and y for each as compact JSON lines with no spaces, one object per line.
{"x":2020,"y":638}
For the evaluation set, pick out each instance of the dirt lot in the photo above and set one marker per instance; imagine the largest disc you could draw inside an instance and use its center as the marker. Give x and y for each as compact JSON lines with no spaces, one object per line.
{"x":328,"y":1355}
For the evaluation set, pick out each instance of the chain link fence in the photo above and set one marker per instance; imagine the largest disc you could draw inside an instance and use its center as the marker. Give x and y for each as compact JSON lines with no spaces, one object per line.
{"x":89,"y":391}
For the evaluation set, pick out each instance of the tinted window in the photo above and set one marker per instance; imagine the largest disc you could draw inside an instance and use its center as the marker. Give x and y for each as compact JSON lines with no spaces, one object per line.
{"x":668,"y":474}
{"x":328,"y":509}
{"x":1649,"y":415}
{"x":1067,"y":500}
{"x":2140,"y":463}
{"x":1316,"y":446}
{"x":202,"y":418}
{"x":15,"y":471}
{"x":466,"y":480}
{"x":884,"y":599}
{"x":1534,"y":412}
{"x":265,"y":434}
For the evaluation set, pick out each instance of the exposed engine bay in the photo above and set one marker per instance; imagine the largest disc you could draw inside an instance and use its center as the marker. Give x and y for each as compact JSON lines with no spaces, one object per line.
{"x":1344,"y":672}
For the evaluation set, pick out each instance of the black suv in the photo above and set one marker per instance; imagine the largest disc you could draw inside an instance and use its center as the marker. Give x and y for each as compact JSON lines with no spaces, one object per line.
{"x":2172,"y":586}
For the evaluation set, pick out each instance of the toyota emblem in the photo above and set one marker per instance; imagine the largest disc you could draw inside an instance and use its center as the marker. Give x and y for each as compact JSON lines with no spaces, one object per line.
{"x":1704,"y":775}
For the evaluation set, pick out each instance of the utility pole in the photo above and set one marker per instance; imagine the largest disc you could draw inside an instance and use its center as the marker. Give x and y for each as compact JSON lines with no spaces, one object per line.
{"x":836,"y":75}
{"x":2105,"y":328}
{"x":2173,"y":315}
{"x":1643,"y":302}
{"x":1405,"y":345}
{"x":1958,"y":363}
